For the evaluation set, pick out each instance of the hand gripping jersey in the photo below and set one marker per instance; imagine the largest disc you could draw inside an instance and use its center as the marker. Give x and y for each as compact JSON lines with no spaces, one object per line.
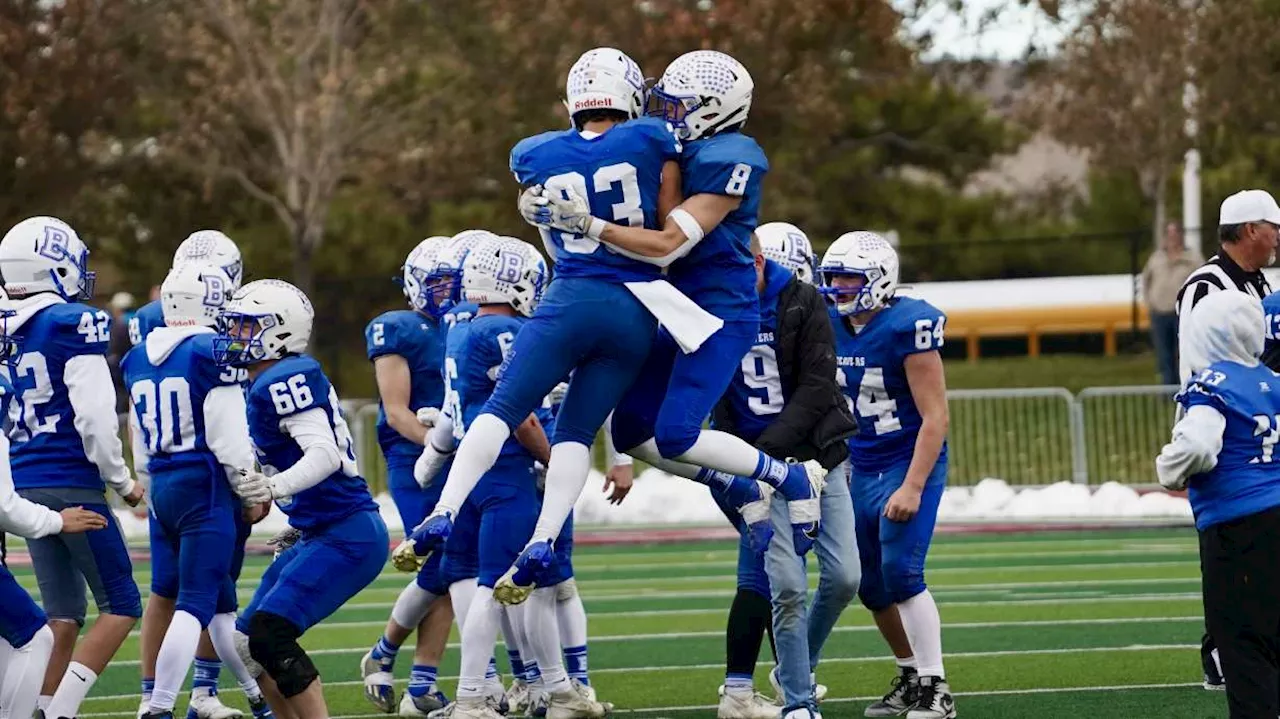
{"x":619,"y":172}
{"x":756,"y":395}
{"x":420,"y":341}
{"x":172,"y":401}
{"x":874,"y":378}
{"x":719,"y":273}
{"x":1246,"y":479}
{"x":147,"y":318}
{"x":292,"y":386}
{"x":61,"y":440}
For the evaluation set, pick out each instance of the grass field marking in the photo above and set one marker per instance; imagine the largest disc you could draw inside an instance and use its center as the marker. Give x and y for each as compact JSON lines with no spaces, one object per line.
{"x":720,"y":665}
{"x":651,"y":636}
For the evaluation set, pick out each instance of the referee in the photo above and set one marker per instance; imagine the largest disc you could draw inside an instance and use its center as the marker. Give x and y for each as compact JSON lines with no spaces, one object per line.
{"x":1248,"y":225}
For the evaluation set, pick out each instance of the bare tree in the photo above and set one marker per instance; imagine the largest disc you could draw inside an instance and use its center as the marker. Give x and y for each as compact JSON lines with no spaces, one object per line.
{"x":289,"y":98}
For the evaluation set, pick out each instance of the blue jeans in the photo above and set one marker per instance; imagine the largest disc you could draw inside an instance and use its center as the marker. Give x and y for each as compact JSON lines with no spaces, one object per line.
{"x":799,"y":633}
{"x":1164,"y":338}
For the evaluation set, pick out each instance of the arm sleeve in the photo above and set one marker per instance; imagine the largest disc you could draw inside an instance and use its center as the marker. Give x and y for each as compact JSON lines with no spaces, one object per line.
{"x":17,"y":515}
{"x":226,"y":427}
{"x":616,"y":458}
{"x":141,"y":455}
{"x":814,"y":387}
{"x":93,"y":400}
{"x":1197,"y":440}
{"x":320,"y":457}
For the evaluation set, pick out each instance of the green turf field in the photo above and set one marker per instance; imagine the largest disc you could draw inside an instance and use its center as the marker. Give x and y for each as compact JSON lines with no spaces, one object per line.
{"x":1101,"y":624}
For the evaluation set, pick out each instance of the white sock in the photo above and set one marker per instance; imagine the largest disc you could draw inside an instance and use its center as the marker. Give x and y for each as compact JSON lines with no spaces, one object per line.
{"x":907,"y":663}
{"x":24,"y":674}
{"x":519,"y":632}
{"x":570,"y":614}
{"x":177,"y":652}
{"x":566,"y":477}
{"x":73,"y":688}
{"x":649,"y":454}
{"x":412,"y":605}
{"x":924,"y":631}
{"x":461,"y":594}
{"x":478,"y":636}
{"x":724,"y":452}
{"x":222,"y":631}
{"x":544,"y":638}
{"x":42,"y":702}
{"x":475,"y":456}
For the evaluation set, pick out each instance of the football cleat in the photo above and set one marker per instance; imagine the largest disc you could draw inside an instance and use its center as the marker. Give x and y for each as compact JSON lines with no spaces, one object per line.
{"x":521,"y":579}
{"x":935,"y":700}
{"x":379,"y":684}
{"x":471,"y":708}
{"x":804,"y":711}
{"x":518,"y":697}
{"x":496,"y":695}
{"x":421,"y":706}
{"x":903,"y":694}
{"x":260,"y":709}
{"x":819,"y":690}
{"x":575,"y":703}
{"x":205,"y":704}
{"x":747,"y":704}
{"x":143,"y":708}
{"x":158,"y":715}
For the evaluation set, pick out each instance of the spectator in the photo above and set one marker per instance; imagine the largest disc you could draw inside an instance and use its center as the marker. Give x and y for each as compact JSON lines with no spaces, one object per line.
{"x":1166,"y":270}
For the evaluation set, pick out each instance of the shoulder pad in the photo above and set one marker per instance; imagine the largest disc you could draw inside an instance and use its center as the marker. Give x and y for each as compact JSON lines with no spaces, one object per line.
{"x":79,"y":328}
{"x":521,"y":154}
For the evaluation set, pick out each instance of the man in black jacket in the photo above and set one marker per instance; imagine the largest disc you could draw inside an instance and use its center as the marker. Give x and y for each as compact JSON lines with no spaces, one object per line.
{"x":786,"y":402}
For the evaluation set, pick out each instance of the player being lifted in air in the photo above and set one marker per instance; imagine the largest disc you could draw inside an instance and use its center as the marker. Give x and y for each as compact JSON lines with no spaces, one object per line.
{"x":200,"y":247}
{"x":66,"y":450}
{"x":27,"y":639}
{"x":309,"y":469}
{"x":589,"y":322}
{"x":190,"y":438}
{"x":705,"y":96}
{"x":888,"y":349}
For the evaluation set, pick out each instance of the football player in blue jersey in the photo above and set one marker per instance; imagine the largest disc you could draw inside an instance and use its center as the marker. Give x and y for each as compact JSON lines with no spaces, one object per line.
{"x":407,"y":351}
{"x":1222,"y":451}
{"x":309,"y":469}
{"x":190,"y":438}
{"x":505,"y":278}
{"x":66,"y":450}
{"x":201,"y":247}
{"x":705,"y":96}
{"x":888,"y":350}
{"x":784,"y":400}
{"x":1271,"y":348}
{"x":589,"y":322}
{"x":27,"y":640}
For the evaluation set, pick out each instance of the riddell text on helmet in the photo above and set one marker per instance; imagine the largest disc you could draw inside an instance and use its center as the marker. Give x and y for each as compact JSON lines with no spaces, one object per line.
{"x":592,"y":103}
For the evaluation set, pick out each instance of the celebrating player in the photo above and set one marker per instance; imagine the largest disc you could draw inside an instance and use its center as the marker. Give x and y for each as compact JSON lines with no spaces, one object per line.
{"x":191,"y":439}
{"x":407,"y":351}
{"x":310,"y":471}
{"x":891,"y":371}
{"x":66,"y":445}
{"x":200,"y":247}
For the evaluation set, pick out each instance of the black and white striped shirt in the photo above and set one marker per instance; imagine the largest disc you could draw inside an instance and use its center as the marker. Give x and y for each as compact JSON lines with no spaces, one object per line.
{"x":1218,"y":274}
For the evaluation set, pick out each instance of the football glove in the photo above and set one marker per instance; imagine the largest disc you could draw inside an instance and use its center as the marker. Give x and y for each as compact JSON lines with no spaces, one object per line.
{"x":428,"y":416}
{"x":253,"y":488}
{"x":565,"y":210}
{"x":557,"y":393}
{"x":283,"y":540}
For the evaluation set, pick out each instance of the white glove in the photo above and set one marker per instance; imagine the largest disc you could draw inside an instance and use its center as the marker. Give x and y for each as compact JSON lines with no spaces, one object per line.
{"x":429,"y":464}
{"x":564,"y":210}
{"x":540,"y":476}
{"x":253,"y":488}
{"x":557,"y":393}
{"x":428,"y":416}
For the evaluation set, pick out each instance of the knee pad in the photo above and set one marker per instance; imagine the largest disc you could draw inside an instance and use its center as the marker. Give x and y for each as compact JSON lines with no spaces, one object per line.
{"x":273,"y":642}
{"x":674,"y":440}
{"x":566,"y":590}
{"x":412,"y":605}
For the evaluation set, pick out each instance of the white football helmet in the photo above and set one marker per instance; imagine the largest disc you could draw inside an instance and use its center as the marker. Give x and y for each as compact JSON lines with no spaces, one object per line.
{"x":419,"y":263}
{"x":504,"y":270}
{"x":212,"y":247}
{"x":43,"y":254}
{"x":10,"y":345}
{"x":787,"y":245}
{"x":605,"y":79}
{"x":264,"y":320}
{"x":443,"y":282}
{"x":702,"y":93}
{"x":860,"y":254}
{"x":193,"y":294}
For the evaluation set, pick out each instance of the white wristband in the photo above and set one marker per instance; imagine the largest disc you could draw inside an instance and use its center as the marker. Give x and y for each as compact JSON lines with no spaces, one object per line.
{"x":622,"y":460}
{"x":596,"y":229}
{"x":689,"y":226}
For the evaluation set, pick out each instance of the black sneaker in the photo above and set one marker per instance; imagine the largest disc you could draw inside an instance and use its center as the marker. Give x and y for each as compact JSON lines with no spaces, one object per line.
{"x":903,"y":694}
{"x":935,"y":701}
{"x":1213,"y":680}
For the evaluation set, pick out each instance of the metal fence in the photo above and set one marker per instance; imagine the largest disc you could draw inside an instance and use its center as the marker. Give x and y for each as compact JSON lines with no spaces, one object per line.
{"x":1027,"y":437}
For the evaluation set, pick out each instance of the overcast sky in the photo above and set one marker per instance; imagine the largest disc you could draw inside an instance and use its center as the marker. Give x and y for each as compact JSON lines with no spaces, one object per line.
{"x":959,"y":34}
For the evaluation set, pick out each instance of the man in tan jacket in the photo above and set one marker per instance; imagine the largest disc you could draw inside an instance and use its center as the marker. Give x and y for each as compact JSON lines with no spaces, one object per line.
{"x":1166,"y":270}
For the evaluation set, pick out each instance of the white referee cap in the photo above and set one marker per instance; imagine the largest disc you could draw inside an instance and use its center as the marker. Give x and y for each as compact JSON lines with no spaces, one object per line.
{"x":1249,"y":206}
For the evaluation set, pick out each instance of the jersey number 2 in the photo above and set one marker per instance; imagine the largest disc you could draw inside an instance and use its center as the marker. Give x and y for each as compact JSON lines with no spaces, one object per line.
{"x":627,"y":212}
